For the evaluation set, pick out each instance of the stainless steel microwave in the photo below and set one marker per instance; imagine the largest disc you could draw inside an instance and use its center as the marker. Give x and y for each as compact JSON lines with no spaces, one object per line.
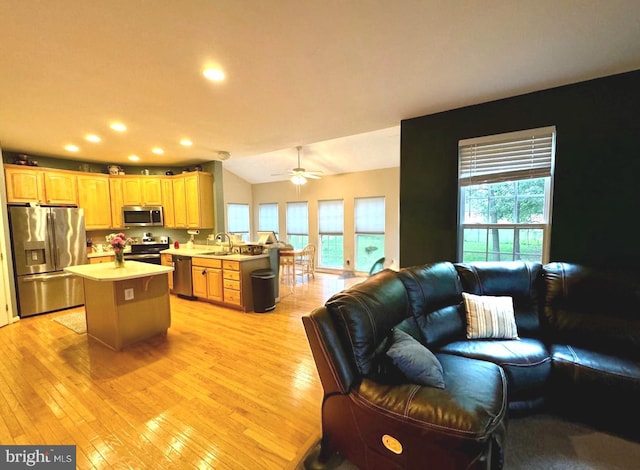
{"x":142,"y":216}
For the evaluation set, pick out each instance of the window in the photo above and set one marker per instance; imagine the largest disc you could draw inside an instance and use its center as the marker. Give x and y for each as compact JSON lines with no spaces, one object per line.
{"x":331,"y":236}
{"x":369,"y":231}
{"x":268,"y":218}
{"x":505,"y":186}
{"x":298,"y":224}
{"x":238,"y":220}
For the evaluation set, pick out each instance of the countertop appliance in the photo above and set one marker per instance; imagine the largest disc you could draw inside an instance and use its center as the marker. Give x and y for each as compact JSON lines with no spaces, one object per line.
{"x":182,"y":282}
{"x":147,"y":252}
{"x":45,"y":240}
{"x":142,"y":216}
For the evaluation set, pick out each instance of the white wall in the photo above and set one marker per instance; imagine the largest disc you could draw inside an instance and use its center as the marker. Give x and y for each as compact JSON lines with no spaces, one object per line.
{"x":348,"y":186}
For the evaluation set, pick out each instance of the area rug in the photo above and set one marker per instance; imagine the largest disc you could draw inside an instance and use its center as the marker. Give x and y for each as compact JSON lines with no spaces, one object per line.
{"x":74,"y":321}
{"x":544,"y":442}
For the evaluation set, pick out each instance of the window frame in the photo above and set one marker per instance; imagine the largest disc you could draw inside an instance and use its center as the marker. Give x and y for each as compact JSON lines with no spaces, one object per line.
{"x":495,"y":168}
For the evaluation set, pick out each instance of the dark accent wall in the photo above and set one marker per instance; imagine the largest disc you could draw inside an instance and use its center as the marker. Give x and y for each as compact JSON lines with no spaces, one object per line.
{"x":596,"y":199}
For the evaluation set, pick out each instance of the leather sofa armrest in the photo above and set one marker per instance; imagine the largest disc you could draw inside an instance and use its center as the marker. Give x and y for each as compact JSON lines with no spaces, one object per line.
{"x":336,"y":373}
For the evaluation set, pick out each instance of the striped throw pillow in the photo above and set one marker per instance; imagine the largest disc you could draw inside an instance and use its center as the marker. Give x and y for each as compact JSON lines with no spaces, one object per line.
{"x":489,"y":317}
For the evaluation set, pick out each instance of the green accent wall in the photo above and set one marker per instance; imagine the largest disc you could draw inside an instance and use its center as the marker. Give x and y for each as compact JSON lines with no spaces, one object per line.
{"x":596,"y":200}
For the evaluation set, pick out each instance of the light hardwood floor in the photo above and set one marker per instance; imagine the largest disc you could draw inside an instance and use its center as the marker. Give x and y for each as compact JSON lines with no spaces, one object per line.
{"x":224,"y":389}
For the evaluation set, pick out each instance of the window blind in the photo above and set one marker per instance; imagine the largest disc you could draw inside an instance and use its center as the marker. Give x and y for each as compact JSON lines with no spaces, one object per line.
{"x":238,"y":218}
{"x":268,"y":217}
{"x":511,"y":156}
{"x":297,"y":218}
{"x":331,"y":217}
{"x":369,"y":215}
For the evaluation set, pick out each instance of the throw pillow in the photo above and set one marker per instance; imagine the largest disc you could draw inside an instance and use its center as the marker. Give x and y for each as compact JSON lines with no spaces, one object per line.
{"x":490,"y":317}
{"x":415,"y":361}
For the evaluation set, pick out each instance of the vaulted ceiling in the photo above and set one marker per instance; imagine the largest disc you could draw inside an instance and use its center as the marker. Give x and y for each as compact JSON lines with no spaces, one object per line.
{"x":333,"y":76}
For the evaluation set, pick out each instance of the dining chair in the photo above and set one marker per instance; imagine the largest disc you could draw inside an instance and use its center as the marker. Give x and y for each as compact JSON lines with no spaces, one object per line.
{"x":305,"y":262}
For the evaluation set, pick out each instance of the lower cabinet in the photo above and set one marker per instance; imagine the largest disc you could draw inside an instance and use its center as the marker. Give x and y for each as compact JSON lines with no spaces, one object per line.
{"x":101,"y":259}
{"x":226,"y":282}
{"x":166,"y":259}
{"x":206,"y":275}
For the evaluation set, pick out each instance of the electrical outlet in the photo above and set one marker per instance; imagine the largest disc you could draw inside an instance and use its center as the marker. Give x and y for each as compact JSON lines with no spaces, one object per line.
{"x":128,"y":294}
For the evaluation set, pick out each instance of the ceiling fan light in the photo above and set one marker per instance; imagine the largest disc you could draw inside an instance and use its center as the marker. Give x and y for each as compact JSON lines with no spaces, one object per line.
{"x":298,"y":180}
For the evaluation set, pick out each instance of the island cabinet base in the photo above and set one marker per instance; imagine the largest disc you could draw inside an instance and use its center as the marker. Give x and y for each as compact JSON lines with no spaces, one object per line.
{"x":116,"y":320}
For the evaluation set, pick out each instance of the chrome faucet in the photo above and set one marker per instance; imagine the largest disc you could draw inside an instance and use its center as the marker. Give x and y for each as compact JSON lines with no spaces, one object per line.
{"x":220,"y":239}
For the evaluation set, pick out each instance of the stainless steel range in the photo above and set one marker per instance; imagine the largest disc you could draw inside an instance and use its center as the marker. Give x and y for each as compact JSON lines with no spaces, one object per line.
{"x":147,"y":252}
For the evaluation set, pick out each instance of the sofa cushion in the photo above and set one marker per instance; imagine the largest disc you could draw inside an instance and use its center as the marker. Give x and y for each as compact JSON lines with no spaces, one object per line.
{"x":596,"y":387}
{"x":526,"y":362}
{"x":364,"y":316}
{"x":520,"y":280}
{"x":593,"y":308}
{"x":471,"y":405}
{"x":489,"y":317}
{"x":417,"y":363}
{"x":435,"y":300}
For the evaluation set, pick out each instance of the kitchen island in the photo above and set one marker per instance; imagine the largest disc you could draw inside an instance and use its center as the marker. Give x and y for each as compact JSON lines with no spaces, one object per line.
{"x":125,"y":305}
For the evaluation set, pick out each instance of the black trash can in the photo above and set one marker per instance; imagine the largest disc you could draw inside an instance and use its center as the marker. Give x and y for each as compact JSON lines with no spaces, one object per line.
{"x":263,"y":283}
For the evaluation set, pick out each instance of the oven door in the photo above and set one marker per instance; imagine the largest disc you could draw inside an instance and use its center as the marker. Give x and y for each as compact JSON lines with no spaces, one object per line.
{"x":152,"y":258}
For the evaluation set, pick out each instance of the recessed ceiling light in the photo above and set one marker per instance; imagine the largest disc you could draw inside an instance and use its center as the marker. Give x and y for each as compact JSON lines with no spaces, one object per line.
{"x":186,"y":142}
{"x":157,"y":151}
{"x":134,"y":158}
{"x":213,"y":74}
{"x":118,"y":126}
{"x":92,"y":138}
{"x":72,"y":148}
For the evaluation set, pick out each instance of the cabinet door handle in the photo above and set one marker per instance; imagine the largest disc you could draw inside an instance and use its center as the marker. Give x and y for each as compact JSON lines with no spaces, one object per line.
{"x":204,"y":272}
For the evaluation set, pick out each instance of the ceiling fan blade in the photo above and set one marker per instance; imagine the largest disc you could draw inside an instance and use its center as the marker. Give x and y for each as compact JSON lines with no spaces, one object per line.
{"x":311,"y":175}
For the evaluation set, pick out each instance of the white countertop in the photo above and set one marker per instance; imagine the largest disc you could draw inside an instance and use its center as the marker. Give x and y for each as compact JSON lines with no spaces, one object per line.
{"x":205,"y":251}
{"x":109,"y":273}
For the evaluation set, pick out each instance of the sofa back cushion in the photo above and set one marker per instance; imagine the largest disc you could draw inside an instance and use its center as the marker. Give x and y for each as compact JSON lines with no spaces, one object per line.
{"x":364,"y":316}
{"x":520,"y":280}
{"x":435,"y":300}
{"x":596,"y":308}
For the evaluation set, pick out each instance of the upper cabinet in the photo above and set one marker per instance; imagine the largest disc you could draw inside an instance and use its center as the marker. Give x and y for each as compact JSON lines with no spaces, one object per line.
{"x":24,"y":184}
{"x":94,"y":198}
{"x":187,"y":198}
{"x":198,"y":190}
{"x":168,"y":204}
{"x":61,"y":187}
{"x":41,"y":185}
{"x":116,"y":193}
{"x":141,"y":190}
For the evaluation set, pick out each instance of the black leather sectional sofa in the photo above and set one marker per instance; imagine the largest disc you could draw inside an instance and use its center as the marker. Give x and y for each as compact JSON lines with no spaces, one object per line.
{"x":577,"y":353}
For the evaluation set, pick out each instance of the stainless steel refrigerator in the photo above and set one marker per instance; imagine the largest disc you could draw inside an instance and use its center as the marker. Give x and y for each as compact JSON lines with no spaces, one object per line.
{"x":45,"y":240}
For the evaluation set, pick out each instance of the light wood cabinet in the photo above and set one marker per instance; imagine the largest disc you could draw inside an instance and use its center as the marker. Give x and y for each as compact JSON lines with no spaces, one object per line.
{"x":179,"y":203}
{"x":41,"y":185}
{"x":141,"y":190}
{"x":117,"y":201}
{"x":131,"y":191}
{"x":206,"y":275}
{"x":198,"y":189}
{"x":24,"y":184}
{"x":151,"y":189}
{"x":232,"y":283}
{"x":187,"y":198}
{"x":94,"y":198}
{"x":166,"y":259}
{"x":61,"y":187}
{"x":101,"y":259}
{"x":168,"y":205}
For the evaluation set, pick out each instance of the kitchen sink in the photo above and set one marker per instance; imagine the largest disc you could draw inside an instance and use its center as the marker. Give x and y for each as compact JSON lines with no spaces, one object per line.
{"x":216,"y":253}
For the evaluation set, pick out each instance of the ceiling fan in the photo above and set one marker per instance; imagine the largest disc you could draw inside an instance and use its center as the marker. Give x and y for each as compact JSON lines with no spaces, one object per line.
{"x":299,"y":175}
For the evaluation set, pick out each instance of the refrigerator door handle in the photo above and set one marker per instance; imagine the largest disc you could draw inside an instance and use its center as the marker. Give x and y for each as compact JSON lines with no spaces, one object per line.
{"x":45,"y":277}
{"x":51,"y":236}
